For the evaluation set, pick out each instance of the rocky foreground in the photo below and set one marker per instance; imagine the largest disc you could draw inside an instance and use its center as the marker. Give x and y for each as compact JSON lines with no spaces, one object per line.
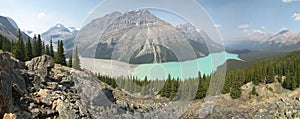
{"x":41,"y":89}
{"x":38,"y":89}
{"x":273,"y":102}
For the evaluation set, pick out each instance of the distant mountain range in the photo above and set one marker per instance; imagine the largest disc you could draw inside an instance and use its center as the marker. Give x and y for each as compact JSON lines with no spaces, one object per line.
{"x":135,"y":37}
{"x":9,"y":29}
{"x":60,"y":32}
{"x":140,"y":37}
{"x":283,"y":41}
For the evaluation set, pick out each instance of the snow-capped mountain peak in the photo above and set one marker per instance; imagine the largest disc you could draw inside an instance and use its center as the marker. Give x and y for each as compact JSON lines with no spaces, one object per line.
{"x":60,"y":32}
{"x":59,"y":25}
{"x":282,"y":32}
{"x":71,"y":29}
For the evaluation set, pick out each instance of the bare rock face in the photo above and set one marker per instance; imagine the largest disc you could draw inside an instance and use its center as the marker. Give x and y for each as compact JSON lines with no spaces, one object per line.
{"x":139,"y":37}
{"x":11,"y":83}
{"x":44,"y":62}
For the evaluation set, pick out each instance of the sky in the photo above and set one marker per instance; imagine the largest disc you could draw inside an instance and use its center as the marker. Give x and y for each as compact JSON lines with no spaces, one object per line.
{"x":233,"y":18}
{"x":40,"y":15}
{"x":240,"y":17}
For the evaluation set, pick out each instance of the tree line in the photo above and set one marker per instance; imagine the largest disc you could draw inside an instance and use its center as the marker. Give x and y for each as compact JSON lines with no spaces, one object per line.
{"x":5,"y":44}
{"x":284,"y":69}
{"x":27,"y":51}
{"x":171,"y":87}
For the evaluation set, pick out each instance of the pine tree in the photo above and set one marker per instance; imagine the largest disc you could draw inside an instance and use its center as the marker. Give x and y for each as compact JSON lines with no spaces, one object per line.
{"x":76,"y":63}
{"x":9,"y":45}
{"x":1,"y":41}
{"x":59,"y":57}
{"x":253,"y":91}
{"x":51,"y":51}
{"x":47,"y":52}
{"x":3,"y":44}
{"x":43,"y":48}
{"x":19,"y":49}
{"x":289,"y":82}
{"x":70,"y":61}
{"x":144,"y":86}
{"x":34,"y":47}
{"x":173,"y":89}
{"x":39,"y":46}
{"x":6,"y":45}
{"x":28,"y":50}
{"x":202,"y":86}
{"x":236,"y":92}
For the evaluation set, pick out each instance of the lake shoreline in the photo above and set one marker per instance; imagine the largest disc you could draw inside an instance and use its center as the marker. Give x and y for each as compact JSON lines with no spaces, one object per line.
{"x":113,"y":68}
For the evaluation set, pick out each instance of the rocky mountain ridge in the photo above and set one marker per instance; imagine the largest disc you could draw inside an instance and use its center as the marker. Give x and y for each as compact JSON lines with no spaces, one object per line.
{"x":137,"y":35}
{"x":283,"y":41}
{"x":9,"y":29}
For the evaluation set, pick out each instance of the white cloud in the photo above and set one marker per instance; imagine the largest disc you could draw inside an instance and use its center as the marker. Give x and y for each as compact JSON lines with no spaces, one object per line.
{"x":296,"y":16}
{"x":41,"y":15}
{"x":217,"y":25}
{"x":257,"y":31}
{"x":287,"y":1}
{"x":263,"y":27}
{"x":245,"y":30}
{"x":252,"y":31}
{"x":243,"y":26}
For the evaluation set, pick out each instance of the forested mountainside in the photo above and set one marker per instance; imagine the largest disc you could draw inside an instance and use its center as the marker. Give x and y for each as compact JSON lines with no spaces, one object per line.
{"x":284,"y":69}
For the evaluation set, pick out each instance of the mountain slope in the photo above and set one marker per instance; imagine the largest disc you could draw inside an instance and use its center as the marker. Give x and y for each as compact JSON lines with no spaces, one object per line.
{"x":197,"y":38}
{"x":137,"y":35}
{"x":9,"y":29}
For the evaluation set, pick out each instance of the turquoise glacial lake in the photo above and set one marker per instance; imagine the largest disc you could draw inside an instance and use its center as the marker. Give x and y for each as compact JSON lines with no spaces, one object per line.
{"x":183,"y":70}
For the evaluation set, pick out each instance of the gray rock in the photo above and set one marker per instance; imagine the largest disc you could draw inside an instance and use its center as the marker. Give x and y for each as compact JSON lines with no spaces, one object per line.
{"x":10,"y":80}
{"x":45,"y":96}
{"x":31,"y":106}
{"x":52,"y":85}
{"x":123,"y":104}
{"x":41,"y":64}
{"x":64,"y":111}
{"x":35,"y":112}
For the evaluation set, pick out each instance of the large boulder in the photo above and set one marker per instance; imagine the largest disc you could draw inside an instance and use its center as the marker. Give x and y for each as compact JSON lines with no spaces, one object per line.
{"x":43,"y":63}
{"x":10,"y":81}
